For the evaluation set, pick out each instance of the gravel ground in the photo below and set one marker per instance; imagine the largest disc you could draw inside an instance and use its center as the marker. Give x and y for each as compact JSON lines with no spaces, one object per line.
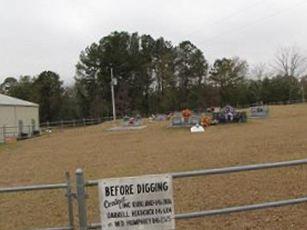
{"x":157,"y":149}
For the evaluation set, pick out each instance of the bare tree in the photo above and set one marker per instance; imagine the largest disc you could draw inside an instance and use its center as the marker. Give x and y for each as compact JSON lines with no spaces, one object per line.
{"x":259,"y":71}
{"x":290,"y":62}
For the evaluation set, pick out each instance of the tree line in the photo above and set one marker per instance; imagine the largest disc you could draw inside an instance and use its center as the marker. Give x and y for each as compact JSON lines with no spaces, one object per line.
{"x":155,"y":76}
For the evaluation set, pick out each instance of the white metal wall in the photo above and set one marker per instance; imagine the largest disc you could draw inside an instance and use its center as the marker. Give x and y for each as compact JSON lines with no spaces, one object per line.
{"x":11,"y":115}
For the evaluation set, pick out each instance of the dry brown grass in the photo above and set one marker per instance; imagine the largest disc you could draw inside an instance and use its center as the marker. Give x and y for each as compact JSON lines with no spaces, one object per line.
{"x":157,"y":149}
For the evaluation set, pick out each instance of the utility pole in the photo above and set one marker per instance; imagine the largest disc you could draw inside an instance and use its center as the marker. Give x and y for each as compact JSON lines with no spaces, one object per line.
{"x":113,"y":97}
{"x":303,"y":93}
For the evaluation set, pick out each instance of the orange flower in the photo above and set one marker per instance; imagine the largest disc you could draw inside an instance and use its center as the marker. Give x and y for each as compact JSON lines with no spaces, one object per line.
{"x":186,"y":113}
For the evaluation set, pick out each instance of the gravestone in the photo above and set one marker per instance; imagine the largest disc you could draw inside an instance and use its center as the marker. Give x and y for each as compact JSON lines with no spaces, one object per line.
{"x":160,"y":117}
{"x":259,"y":111}
{"x":137,"y":120}
{"x":126,"y":120}
{"x":194,"y":120}
{"x":197,"y":129}
{"x":132,"y":121}
{"x":177,"y":120}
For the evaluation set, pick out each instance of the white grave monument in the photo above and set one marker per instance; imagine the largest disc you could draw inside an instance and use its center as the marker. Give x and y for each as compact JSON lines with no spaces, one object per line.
{"x":259,"y":111}
{"x":197,"y":129}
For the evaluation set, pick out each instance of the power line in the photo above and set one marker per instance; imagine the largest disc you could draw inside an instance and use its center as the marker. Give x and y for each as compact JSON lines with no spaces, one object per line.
{"x":246,"y":26}
{"x":232,"y":15}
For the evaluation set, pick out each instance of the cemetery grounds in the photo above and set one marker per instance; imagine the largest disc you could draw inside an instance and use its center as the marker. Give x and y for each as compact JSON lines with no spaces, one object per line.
{"x":158,"y":149}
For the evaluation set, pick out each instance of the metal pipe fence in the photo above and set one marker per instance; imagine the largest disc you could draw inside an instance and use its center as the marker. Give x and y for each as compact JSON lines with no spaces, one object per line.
{"x":15,"y":132}
{"x":28,"y":131}
{"x":68,"y":193}
{"x":286,"y":102}
{"x":81,"y":194}
{"x":72,"y":123}
{"x":82,"y":184}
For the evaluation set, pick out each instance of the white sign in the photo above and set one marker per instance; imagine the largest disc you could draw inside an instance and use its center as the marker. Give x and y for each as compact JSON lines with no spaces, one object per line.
{"x":137,"y":203}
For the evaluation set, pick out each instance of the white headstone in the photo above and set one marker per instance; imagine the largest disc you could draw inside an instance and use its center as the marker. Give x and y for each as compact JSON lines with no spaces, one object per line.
{"x":197,"y":129}
{"x":259,"y":111}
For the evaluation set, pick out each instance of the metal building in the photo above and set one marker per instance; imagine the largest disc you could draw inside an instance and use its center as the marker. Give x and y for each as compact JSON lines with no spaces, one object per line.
{"x":18,"y":118}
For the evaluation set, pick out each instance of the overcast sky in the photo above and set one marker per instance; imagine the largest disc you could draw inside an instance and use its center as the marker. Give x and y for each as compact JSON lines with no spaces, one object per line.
{"x":37,"y":35}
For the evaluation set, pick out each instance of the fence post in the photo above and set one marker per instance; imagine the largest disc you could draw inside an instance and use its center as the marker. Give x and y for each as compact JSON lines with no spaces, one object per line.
{"x":81,"y":198}
{"x":4,"y":133}
{"x":69,"y":196}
